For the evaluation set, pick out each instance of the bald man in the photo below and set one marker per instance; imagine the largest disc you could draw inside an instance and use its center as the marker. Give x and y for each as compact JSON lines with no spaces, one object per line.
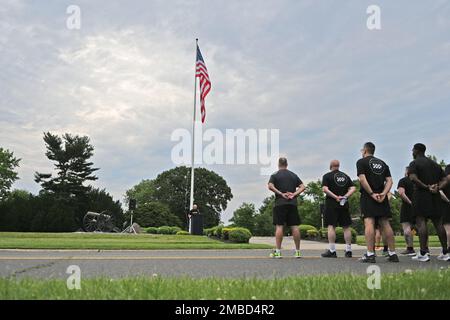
{"x":338,"y":187}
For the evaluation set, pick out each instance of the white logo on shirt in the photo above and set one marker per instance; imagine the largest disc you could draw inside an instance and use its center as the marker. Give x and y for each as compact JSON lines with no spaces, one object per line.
{"x":340,"y":179}
{"x":376,"y":166}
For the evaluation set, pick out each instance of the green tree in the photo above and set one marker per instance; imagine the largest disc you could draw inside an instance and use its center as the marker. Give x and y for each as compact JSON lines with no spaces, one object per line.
{"x":143,"y":192}
{"x":7,"y":174}
{"x":244,"y":216}
{"x":16,"y":211}
{"x":71,"y":155}
{"x":155,"y":214}
{"x":314,"y":190}
{"x":263,"y":219}
{"x":172,"y":188}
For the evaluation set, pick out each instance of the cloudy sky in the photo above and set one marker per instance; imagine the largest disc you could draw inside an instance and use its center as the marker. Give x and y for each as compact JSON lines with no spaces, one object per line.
{"x":309,"y":68}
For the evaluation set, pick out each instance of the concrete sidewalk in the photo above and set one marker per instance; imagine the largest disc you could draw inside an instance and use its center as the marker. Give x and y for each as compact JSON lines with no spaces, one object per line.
{"x":288,"y":244}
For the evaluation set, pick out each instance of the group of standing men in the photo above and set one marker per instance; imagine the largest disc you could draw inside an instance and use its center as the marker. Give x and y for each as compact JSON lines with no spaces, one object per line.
{"x":425,"y":193}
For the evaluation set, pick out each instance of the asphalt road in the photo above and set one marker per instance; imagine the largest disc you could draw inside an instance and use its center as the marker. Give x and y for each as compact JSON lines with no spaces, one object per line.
{"x":194,"y":263}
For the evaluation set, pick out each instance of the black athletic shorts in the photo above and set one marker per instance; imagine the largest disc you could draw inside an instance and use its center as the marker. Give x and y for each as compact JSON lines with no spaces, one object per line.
{"x":373,"y":209}
{"x":286,"y":214}
{"x":406,"y":214}
{"x":427,"y":204}
{"x":335,"y":215}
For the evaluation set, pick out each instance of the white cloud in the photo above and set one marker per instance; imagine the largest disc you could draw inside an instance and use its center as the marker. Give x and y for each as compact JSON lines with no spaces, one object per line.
{"x":315,"y":72}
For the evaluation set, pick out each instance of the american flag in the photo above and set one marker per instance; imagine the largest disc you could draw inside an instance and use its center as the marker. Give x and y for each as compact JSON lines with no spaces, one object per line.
{"x":205,"y":84}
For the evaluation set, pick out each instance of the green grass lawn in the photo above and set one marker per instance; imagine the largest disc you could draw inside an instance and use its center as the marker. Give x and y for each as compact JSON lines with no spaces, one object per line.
{"x":417,"y":285}
{"x":400,"y":241}
{"x":13,"y":240}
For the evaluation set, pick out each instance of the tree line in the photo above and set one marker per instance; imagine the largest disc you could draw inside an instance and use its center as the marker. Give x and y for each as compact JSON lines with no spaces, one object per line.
{"x":66,"y":196}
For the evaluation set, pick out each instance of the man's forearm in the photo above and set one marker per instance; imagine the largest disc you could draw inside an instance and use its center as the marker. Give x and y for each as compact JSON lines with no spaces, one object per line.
{"x":444,"y":183}
{"x":300,"y":189}
{"x":417,"y":181}
{"x":365,"y":184}
{"x":405,"y":197}
{"x":351,"y":190}
{"x":329,"y":193}
{"x":387,"y":186}
{"x":274,"y":190}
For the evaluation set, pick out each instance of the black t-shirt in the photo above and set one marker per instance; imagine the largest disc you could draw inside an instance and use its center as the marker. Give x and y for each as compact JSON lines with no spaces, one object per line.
{"x":337,"y":182}
{"x":408,"y":185}
{"x":447,"y":188}
{"x":285,"y":181}
{"x":427,"y":170}
{"x":376,"y":172}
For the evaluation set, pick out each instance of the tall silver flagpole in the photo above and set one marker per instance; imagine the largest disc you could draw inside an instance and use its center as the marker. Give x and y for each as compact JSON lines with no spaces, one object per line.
{"x":191,"y":201}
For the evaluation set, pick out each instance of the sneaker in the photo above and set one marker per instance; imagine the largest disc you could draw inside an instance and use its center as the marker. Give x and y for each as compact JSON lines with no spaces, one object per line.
{"x":329,"y":254}
{"x":408,"y":252}
{"x":443,"y":257}
{"x":367,"y":259}
{"x":348,"y":254}
{"x":392,"y":258}
{"x":297,"y":255}
{"x":275,"y":255}
{"x":421,"y":258}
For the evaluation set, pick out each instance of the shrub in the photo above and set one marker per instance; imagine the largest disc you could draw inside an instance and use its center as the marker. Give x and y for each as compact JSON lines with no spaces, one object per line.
{"x":154,"y":214}
{"x":152,"y":230}
{"x":239,"y":235}
{"x":312,"y":234}
{"x":209,"y":232}
{"x":304,"y":228}
{"x":340,"y":235}
{"x":164,"y":230}
{"x":182,"y":233}
{"x":226,"y":233}
{"x":174,"y":230}
{"x":218,"y":231}
{"x":323,"y":233}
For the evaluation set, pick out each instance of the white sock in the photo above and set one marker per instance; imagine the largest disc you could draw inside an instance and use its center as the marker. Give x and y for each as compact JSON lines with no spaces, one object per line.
{"x":369,"y":254}
{"x":348,"y":247}
{"x":332,"y":247}
{"x":277,"y":250}
{"x":391,"y":252}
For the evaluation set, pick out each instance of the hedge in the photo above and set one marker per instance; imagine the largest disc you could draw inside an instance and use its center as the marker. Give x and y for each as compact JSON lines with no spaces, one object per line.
{"x":239,"y":235}
{"x":209,"y":231}
{"x":182,"y":233}
{"x":152,"y":230}
{"x":308,"y":231}
{"x":339,"y":234}
{"x":164,"y":230}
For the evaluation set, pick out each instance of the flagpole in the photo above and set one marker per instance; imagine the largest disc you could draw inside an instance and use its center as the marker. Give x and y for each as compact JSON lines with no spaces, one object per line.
{"x":191,"y":201}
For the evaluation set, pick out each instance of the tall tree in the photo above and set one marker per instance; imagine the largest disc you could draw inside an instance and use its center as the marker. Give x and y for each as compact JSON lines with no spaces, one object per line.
{"x":244,"y":216}
{"x":7,"y":173}
{"x":71,"y":154}
{"x":172,"y":188}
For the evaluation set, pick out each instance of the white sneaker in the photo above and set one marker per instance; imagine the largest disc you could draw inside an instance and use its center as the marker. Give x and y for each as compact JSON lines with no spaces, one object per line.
{"x":443,"y":257}
{"x":421,"y":258}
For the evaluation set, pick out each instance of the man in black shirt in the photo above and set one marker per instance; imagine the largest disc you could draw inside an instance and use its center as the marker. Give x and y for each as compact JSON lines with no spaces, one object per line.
{"x":287,"y":186}
{"x":338,"y":187}
{"x":426,"y":175}
{"x":445,"y":194}
{"x":405,"y":189}
{"x":376,"y":182}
